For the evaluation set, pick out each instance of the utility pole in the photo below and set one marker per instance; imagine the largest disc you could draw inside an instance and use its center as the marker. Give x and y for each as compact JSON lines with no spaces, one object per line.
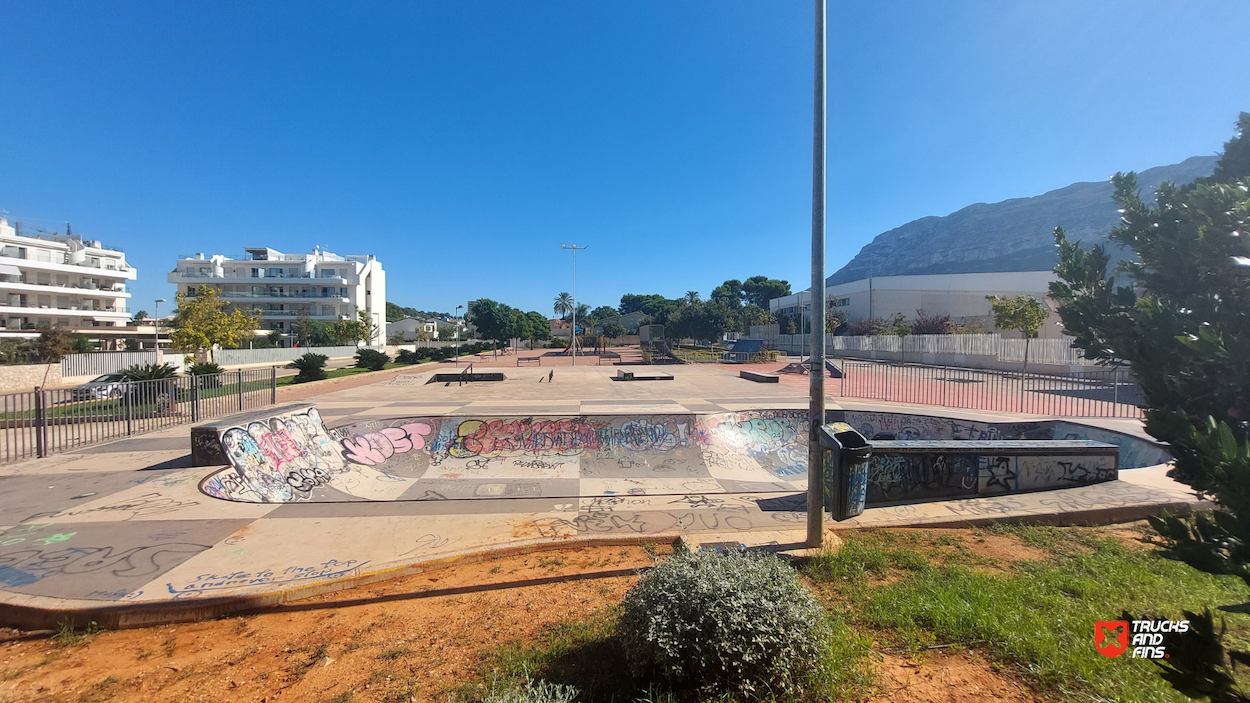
{"x":816,"y":373}
{"x":573,"y":333}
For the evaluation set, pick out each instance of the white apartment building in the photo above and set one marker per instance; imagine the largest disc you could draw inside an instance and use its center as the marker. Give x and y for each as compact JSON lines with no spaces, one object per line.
{"x":59,"y":281}
{"x":281,"y":288}
{"x":960,"y":295}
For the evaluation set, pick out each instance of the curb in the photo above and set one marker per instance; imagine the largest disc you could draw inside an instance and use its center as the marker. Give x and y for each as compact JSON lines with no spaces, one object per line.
{"x":120,"y":616}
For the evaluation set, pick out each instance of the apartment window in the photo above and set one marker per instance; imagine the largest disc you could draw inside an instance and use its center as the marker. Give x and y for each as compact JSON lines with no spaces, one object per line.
{"x":327,"y":310}
{"x":345,"y":310}
{"x":191,"y":292}
{"x":327,"y":273}
{"x":14,"y":252}
{"x":841,"y":302}
{"x":342,"y":292}
{"x":62,"y":279}
{"x":43,"y":255}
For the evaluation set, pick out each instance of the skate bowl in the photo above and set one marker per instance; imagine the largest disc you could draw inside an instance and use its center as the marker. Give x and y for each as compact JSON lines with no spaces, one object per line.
{"x":288,"y":455}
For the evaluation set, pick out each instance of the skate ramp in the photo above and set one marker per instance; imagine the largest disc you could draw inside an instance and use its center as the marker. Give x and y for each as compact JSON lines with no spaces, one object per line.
{"x":293,"y":457}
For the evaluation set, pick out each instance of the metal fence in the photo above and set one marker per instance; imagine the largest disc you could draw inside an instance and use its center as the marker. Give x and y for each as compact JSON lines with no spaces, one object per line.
{"x":240,"y":357}
{"x":1048,"y":351}
{"x":98,"y":363}
{"x":1102,"y":393}
{"x":43,"y":422}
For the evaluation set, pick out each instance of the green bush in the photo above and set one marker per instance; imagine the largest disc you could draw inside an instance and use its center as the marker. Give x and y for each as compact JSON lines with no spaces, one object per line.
{"x":312,"y":367}
{"x":211,"y":373}
{"x":725,"y":621}
{"x":149,"y":372}
{"x":539,"y":691}
{"x":371,"y":359}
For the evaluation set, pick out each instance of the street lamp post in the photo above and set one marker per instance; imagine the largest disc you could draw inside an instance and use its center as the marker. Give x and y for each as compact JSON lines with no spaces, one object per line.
{"x":458,"y":336}
{"x":156,"y":322}
{"x":816,"y":372}
{"x":574,"y":248}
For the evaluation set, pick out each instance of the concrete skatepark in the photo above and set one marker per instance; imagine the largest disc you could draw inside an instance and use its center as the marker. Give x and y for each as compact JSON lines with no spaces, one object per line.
{"x":401,"y":476}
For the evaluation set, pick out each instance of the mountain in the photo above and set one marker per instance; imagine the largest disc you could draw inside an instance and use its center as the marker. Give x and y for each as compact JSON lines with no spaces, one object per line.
{"x":1013,"y":235}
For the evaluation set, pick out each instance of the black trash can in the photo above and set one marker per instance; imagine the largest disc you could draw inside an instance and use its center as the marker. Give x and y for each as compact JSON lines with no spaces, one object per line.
{"x":845,"y":453}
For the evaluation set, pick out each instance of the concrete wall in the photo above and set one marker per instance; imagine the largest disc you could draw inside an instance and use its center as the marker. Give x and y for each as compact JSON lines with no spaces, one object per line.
{"x":962,"y":296}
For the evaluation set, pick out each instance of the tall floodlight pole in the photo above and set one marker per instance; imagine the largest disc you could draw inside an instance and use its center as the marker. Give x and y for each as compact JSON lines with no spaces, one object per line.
{"x":573,"y":337}
{"x":816,"y":372}
{"x":156,"y":322}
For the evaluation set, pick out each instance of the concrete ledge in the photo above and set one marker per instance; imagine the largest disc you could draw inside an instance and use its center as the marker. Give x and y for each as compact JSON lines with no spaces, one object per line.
{"x":759,"y":377}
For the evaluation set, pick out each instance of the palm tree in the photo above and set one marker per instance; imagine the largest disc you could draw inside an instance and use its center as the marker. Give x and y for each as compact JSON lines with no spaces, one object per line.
{"x":692,"y":296}
{"x":583,"y":312}
{"x":563,"y":306}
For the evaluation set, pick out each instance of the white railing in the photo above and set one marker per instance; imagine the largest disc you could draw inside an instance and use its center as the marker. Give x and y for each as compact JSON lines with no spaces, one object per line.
{"x":1046,"y":351}
{"x":242,"y":357}
{"x":99,"y":363}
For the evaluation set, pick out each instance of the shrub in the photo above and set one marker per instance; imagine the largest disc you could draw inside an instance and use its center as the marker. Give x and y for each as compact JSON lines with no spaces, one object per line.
{"x":539,"y":691}
{"x":149,"y":372}
{"x":312,"y":367}
{"x":210,"y":371}
{"x":204,"y":367}
{"x":725,"y":620}
{"x":371,"y":359}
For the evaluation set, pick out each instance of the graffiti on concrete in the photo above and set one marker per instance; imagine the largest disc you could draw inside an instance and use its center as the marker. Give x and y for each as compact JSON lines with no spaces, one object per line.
{"x":897,"y":478}
{"x":327,"y":570}
{"x":26,"y":566}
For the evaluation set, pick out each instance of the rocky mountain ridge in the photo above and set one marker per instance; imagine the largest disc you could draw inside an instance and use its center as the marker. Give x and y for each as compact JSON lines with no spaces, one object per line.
{"x":1012,"y":235}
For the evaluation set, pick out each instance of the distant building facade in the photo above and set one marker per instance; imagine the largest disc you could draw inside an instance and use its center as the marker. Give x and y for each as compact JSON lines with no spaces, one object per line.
{"x":410,"y":326}
{"x":60,"y":282}
{"x":630,"y":321}
{"x":960,"y":295}
{"x":282,"y":288}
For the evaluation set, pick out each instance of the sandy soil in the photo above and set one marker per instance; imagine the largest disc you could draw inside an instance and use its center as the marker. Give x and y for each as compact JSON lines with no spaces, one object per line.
{"x":413,"y":638}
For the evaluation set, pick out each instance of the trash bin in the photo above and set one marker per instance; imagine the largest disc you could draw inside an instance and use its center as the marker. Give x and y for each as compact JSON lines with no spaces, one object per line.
{"x":845,"y":453}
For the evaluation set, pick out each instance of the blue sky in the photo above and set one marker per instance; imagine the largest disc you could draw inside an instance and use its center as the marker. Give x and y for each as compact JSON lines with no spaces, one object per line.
{"x":463,"y":142}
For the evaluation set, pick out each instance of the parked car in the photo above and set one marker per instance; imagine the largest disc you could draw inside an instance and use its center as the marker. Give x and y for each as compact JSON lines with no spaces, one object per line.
{"x":110,"y":385}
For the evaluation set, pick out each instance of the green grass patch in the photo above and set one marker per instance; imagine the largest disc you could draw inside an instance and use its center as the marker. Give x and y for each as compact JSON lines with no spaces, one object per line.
{"x":587,"y":655}
{"x":1036,"y":616}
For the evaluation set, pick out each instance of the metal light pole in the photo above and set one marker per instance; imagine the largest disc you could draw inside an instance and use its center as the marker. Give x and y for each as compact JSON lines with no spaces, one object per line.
{"x":458,"y":336}
{"x":574,"y":248}
{"x":156,"y":322}
{"x":816,"y":373}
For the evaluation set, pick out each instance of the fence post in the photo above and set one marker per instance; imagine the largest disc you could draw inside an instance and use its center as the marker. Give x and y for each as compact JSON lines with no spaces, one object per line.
{"x":127,"y":393}
{"x":240,"y":372}
{"x":195,"y":397}
{"x":273,"y":385}
{"x":943,"y":386}
{"x":40,"y":439}
{"x":1115,"y":394}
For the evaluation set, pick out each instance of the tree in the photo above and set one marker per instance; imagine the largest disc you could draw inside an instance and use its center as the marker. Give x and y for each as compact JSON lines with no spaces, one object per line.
{"x":1181,"y":323}
{"x":201,"y":322}
{"x":396,"y":339}
{"x":729,"y":292}
{"x":835,"y":320}
{"x":303,"y":327}
{"x":602,"y":312}
{"x":563,"y":305}
{"x":394,"y":313}
{"x":538,"y":328}
{"x":691,"y":297}
{"x":755,"y":315}
{"x":1023,"y":313}
{"x":81,"y":344}
{"x":1234,"y":163}
{"x":499,"y":322}
{"x":613,"y":330}
{"x":53,"y":344}
{"x":141,"y":315}
{"x":758,"y":290}
{"x":369,"y":330}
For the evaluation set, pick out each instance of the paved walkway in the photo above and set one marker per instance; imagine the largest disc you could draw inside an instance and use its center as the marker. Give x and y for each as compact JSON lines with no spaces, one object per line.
{"x":121,"y":534}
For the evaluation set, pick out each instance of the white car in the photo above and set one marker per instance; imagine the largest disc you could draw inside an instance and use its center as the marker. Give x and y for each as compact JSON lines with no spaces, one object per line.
{"x":110,"y":385}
